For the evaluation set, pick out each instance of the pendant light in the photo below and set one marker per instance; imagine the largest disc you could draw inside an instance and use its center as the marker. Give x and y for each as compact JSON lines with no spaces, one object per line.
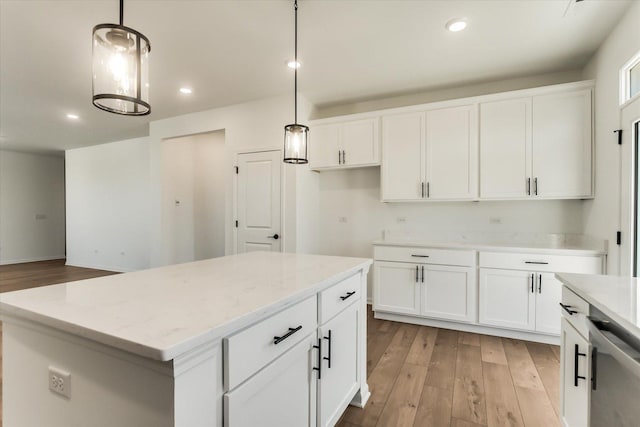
{"x":121,"y":69}
{"x":296,"y":136}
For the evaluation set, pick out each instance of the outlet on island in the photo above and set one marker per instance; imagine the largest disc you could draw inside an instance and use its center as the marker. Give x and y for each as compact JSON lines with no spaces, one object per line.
{"x":60,"y":382}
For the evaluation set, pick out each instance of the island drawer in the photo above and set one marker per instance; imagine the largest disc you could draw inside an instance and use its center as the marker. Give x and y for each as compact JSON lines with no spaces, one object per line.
{"x":256,"y":346}
{"x":466,"y":258}
{"x":338,"y":297}
{"x":575,"y":310}
{"x":541,"y":262}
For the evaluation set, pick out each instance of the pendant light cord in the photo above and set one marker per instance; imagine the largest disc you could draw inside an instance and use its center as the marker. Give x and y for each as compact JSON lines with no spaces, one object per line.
{"x":121,"y":12}
{"x":295,"y":69}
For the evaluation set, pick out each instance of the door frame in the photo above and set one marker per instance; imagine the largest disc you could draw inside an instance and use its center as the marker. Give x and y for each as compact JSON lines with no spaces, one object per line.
{"x":236,"y":155}
{"x":629,"y":116}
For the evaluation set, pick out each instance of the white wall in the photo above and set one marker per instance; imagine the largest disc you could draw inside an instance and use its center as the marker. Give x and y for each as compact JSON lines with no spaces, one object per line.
{"x":602,"y":215}
{"x":108,"y":204}
{"x":193,"y":196}
{"x":31,"y":185}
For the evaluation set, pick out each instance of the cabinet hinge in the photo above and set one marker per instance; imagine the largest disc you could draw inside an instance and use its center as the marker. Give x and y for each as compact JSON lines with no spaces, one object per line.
{"x":619,"y":132}
{"x":237,"y":169}
{"x":236,"y":223}
{"x":619,"y":238}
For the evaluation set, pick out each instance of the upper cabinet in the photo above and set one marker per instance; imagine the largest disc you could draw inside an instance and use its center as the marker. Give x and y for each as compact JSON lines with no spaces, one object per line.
{"x":537,"y":147}
{"x":430,"y":155}
{"x":344,"y":144}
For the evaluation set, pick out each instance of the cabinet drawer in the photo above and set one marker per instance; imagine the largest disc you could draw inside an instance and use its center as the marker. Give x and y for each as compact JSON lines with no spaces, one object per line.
{"x":425,"y":255}
{"x":542,"y":262}
{"x":249,"y":350}
{"x":338,"y":297}
{"x":574,"y":303}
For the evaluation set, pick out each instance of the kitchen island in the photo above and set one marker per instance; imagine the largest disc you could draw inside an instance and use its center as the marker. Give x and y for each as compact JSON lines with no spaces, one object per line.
{"x":253,"y":339}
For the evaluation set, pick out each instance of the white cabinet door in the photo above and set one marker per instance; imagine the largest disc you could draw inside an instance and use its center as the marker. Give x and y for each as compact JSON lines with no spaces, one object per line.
{"x":360,"y":142}
{"x":448,"y":292}
{"x":505,"y":147}
{"x":575,"y":391}
{"x":396,"y":287}
{"x":282,"y":394}
{"x":548,"y":297}
{"x":452,"y":153}
{"x":324,"y":146}
{"x":507,"y":298}
{"x":562,"y":144}
{"x":402,"y":156}
{"x":339,"y":379}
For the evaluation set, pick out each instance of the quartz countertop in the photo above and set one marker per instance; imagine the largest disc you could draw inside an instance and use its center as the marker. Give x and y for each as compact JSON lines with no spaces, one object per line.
{"x":164,"y":312}
{"x":615,"y":296}
{"x":559,"y":244}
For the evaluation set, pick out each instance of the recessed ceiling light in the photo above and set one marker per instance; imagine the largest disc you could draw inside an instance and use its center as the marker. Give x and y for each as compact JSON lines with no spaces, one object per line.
{"x":456,"y":25}
{"x":73,"y":116}
{"x":185,"y":90}
{"x":293,"y":64}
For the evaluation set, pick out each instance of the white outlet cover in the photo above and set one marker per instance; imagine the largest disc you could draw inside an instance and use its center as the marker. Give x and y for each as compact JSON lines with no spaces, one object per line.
{"x":60,"y":381}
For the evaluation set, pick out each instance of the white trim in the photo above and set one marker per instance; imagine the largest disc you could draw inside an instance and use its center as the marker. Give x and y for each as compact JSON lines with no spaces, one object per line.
{"x":36,"y":259}
{"x":100,"y":267}
{"x":625,"y":80}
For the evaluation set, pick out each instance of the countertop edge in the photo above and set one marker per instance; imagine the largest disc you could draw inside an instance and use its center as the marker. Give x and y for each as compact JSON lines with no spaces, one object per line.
{"x":494,"y":248}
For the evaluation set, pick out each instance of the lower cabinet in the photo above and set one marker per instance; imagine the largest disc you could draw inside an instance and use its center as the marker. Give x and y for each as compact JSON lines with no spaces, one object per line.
{"x":437,"y":291}
{"x":339,"y":380}
{"x":282,"y":394}
{"x":520,"y":300}
{"x":575,"y":376}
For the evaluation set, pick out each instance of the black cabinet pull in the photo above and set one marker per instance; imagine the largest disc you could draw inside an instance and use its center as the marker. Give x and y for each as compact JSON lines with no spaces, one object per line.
{"x":349,"y":294}
{"x":576,"y":356}
{"x":422,"y":187}
{"x":278,"y":340}
{"x":537,"y":262}
{"x":594,"y":368}
{"x":319,"y":368}
{"x":417,"y":274}
{"x":528,"y":186}
{"x":420,"y":256}
{"x":422,"y":274}
{"x":428,"y":192}
{"x":535,"y":185}
{"x":539,"y":283}
{"x":339,"y":157}
{"x":532,"y":283}
{"x":344,"y":157}
{"x":328,"y":358}
{"x":567,"y":308}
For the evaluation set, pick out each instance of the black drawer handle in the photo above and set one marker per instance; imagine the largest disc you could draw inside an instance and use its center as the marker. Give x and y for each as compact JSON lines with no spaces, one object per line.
{"x":328,"y":358}
{"x":420,"y":256}
{"x":349,"y":294}
{"x":278,"y":340}
{"x":319,"y":368}
{"x":567,"y":308}
{"x":576,"y":355}
{"x":537,"y":262}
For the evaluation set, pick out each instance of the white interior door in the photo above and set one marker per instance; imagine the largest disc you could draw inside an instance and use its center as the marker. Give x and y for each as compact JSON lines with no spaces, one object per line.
{"x":258,"y":203}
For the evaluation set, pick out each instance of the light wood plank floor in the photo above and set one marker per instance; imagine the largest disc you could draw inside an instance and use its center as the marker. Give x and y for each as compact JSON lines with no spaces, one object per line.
{"x":15,"y":277}
{"x":429,"y":377}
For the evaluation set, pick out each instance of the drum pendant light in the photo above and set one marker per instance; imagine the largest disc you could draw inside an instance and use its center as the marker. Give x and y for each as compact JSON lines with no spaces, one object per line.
{"x":121,"y":69}
{"x":296,"y":136}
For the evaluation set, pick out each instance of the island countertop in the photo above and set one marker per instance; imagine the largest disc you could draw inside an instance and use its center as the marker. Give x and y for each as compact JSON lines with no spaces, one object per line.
{"x":615,"y":296}
{"x":164,"y":312}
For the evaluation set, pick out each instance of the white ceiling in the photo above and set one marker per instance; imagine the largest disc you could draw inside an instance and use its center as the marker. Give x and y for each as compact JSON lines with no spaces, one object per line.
{"x":231,"y":51}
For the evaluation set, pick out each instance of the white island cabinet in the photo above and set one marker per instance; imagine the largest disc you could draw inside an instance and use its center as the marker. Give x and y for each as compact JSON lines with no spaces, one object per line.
{"x":259,"y":339}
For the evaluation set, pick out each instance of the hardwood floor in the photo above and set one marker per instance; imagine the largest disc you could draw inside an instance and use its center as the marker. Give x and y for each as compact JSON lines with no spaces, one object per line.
{"x":423,"y":377}
{"x":15,"y":277}
{"x":418,"y":376}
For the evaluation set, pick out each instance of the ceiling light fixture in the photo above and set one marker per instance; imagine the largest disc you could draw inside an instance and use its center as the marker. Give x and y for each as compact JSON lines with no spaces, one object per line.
{"x":293,"y":64}
{"x":120,"y":69}
{"x":185,"y":90}
{"x":73,"y":116}
{"x":296,"y":136}
{"x":456,"y":25}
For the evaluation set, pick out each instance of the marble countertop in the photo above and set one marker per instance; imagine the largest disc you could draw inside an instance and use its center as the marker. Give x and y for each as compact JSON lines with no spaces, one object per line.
{"x":615,"y":296}
{"x":559,"y":244}
{"x":164,"y":312}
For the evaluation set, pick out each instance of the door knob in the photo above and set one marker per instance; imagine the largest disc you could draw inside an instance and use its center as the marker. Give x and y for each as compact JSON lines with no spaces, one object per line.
{"x":275,"y":236}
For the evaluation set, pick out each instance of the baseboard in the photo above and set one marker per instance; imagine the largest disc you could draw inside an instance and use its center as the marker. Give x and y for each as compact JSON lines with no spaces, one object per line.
{"x":35,"y":259}
{"x":469,"y":327}
{"x":99,"y":267}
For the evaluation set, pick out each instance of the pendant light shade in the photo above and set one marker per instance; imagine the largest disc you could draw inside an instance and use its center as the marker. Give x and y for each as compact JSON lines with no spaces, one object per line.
{"x":121,"y":69}
{"x":296,"y":136}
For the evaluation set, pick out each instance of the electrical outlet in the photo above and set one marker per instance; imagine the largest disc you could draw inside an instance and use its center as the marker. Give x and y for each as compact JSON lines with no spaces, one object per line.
{"x":60,"y":382}
{"x":40,"y":217}
{"x":495,"y":220}
{"x":342,"y":219}
{"x":401,"y":219}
